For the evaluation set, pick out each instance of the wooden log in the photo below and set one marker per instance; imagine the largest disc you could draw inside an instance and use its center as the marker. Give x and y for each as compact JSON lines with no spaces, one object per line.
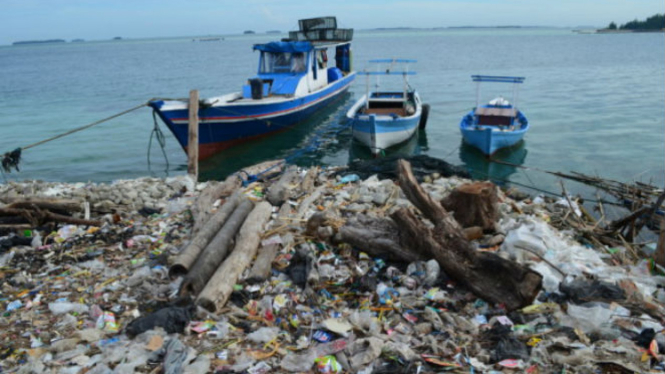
{"x":281,"y":190}
{"x":659,"y":255}
{"x":379,"y":237}
{"x":202,"y":210}
{"x":218,"y":290}
{"x":473,"y":233}
{"x":193,"y":136}
{"x":474,"y":204}
{"x":263,"y":263}
{"x":36,"y":217}
{"x":188,"y":256}
{"x":307,"y":202}
{"x":215,"y":253}
{"x":486,"y":274}
{"x":263,"y":171}
{"x":307,"y":183}
{"x":54,"y":205}
{"x":283,"y":215}
{"x":73,"y":221}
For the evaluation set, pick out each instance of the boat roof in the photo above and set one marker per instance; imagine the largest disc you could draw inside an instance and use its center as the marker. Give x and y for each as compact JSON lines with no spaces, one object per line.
{"x":391,"y":60}
{"x":286,"y":47}
{"x":389,"y":70}
{"x":497,"y":79}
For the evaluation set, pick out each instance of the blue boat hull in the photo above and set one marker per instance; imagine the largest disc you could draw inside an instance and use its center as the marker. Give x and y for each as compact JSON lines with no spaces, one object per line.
{"x":489,"y":138}
{"x":223,"y":126}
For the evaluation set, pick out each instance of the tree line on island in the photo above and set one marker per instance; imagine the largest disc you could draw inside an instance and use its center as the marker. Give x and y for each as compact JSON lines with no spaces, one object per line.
{"x":655,"y":22}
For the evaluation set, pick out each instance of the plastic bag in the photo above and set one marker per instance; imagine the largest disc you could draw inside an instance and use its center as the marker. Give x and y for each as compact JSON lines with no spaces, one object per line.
{"x":62,"y":307}
{"x":171,"y":319}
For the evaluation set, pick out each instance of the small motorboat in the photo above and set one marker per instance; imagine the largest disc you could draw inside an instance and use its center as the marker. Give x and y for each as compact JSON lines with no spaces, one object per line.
{"x":495,"y":125}
{"x":294,"y":81}
{"x":381,"y":119}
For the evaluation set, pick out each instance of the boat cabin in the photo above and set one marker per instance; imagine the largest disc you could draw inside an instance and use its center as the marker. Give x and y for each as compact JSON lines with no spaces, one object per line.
{"x":495,"y":116}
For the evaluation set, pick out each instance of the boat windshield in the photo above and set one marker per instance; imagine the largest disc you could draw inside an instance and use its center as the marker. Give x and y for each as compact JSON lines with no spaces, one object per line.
{"x":283,"y":62}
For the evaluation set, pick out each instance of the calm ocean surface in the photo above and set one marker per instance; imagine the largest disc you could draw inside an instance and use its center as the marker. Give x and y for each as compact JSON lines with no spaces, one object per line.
{"x":596,"y":103}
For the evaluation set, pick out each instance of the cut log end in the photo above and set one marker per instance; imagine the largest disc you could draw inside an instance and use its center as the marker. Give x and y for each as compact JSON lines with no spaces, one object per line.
{"x":177,"y":270}
{"x":207,"y":304}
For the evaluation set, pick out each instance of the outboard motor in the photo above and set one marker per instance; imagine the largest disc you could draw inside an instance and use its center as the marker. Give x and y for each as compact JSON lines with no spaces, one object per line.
{"x":257,"y":88}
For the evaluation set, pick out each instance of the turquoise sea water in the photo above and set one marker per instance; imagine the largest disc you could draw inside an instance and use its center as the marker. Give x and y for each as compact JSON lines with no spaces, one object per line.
{"x":596,"y":103}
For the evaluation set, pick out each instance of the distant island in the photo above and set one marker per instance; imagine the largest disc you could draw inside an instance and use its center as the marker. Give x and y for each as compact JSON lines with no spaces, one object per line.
{"x":117,"y":38}
{"x":653,"y":23}
{"x":247,"y":32}
{"x":49,"y":41}
{"x":273,"y":32}
{"x":78,"y":40}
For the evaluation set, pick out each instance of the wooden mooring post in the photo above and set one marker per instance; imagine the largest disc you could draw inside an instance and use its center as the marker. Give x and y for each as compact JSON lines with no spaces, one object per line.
{"x":193,"y":135}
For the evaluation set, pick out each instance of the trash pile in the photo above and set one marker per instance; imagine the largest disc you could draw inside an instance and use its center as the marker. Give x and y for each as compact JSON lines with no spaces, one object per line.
{"x":318,"y":270}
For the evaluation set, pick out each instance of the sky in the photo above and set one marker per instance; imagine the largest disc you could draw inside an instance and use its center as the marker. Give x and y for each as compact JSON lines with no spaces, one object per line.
{"x":105,"y":19}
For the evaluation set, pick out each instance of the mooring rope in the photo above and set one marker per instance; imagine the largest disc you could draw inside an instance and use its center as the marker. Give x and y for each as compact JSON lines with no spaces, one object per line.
{"x":11,"y":159}
{"x":157,"y":133}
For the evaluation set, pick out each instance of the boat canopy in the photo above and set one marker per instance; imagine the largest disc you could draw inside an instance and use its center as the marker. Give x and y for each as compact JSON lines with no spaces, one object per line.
{"x":497,"y":79}
{"x":284,"y":47}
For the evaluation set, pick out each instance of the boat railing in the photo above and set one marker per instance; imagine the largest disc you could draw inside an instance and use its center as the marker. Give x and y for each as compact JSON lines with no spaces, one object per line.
{"x":498,"y":79}
{"x":325,"y":35}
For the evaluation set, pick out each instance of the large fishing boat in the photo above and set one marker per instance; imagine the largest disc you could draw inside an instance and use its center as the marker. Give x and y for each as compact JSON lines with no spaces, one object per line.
{"x":295,"y":79}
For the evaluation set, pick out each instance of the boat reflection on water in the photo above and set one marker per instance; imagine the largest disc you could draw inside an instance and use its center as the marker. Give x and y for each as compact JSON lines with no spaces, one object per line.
{"x":484,"y":168}
{"x":414,"y":146}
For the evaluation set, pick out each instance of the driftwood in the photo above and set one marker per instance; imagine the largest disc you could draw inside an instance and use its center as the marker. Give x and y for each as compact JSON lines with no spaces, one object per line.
{"x":189,"y":255}
{"x":36,"y":217}
{"x":379,"y":237}
{"x":659,"y":256}
{"x":263,"y":263}
{"x":281,"y":190}
{"x":474,"y":204}
{"x":202,"y":208}
{"x":215,"y":253}
{"x":486,"y":274}
{"x":54,"y":205}
{"x":307,"y":184}
{"x":307,"y":202}
{"x":218,"y":290}
{"x":262,"y":171}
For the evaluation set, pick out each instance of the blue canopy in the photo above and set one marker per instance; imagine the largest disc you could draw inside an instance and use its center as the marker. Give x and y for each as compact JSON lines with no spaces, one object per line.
{"x":287,"y":47}
{"x":498,"y":79}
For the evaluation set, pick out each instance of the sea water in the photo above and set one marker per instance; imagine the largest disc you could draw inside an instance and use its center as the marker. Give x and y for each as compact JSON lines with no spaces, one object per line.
{"x":595,"y":102}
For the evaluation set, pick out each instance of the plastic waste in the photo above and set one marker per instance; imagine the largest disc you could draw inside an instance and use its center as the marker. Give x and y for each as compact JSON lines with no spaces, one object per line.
{"x":62,"y":307}
{"x":327,"y":365}
{"x":594,"y":318}
{"x":171,"y":319}
{"x":16,"y":304}
{"x":581,"y":290}
{"x":264,"y":334}
{"x":349,"y":178}
{"x":175,"y":354}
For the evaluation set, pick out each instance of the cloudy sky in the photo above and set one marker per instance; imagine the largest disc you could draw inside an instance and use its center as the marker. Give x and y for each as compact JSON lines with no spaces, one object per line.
{"x":104,"y":19}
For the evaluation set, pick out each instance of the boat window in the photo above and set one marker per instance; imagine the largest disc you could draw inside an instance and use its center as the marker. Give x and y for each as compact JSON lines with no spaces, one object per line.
{"x":276,"y":62}
{"x":298,"y":63}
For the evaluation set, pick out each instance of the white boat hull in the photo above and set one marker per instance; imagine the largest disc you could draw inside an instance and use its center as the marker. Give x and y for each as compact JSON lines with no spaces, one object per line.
{"x":382,"y":131}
